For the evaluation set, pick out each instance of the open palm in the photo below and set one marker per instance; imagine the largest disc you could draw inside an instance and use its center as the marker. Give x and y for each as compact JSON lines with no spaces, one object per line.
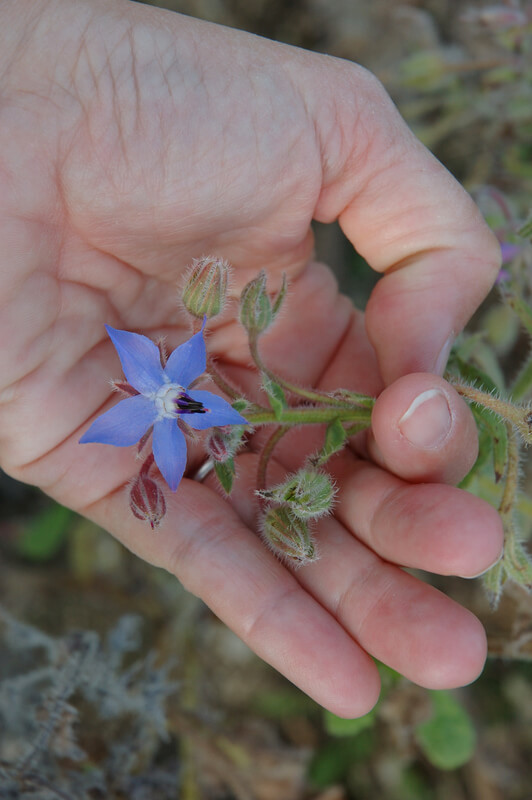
{"x":133,"y":140}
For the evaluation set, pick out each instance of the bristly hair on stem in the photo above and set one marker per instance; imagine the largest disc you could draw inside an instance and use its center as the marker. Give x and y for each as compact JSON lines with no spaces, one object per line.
{"x":266,"y":454}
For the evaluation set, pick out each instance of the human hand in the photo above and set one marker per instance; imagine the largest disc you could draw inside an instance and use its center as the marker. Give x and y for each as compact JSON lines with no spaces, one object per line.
{"x":134,"y":139}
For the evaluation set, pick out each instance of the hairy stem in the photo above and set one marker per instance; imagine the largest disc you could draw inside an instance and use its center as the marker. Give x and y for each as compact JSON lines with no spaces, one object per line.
{"x":511,"y":484}
{"x":266,"y":454}
{"x":520,"y":417}
{"x":312,"y":415}
{"x":309,"y":394}
{"x":221,"y":381}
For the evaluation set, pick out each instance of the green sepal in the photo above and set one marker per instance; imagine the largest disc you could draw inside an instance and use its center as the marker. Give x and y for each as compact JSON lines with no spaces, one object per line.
{"x":335,"y":439}
{"x":447,"y":739}
{"x":280,"y":297}
{"x":225,"y":472}
{"x":240,"y":404}
{"x":276,"y":396}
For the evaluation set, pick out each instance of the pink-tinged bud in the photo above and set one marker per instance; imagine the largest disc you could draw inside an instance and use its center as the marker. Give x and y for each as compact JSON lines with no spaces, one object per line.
{"x":146,"y":500}
{"x":222,"y":444}
{"x":217,"y":446}
{"x":206,"y":287}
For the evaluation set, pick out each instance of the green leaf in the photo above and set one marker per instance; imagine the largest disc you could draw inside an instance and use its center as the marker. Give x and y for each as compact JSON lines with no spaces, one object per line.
{"x":44,"y":534}
{"x":283,"y":703}
{"x":473,"y":374}
{"x":225,"y":472}
{"x":517,"y":563}
{"x":413,"y":785}
{"x":447,"y":739}
{"x":335,"y":438}
{"x":498,"y":432}
{"x":276,"y":396}
{"x":332,"y":762}
{"x":337,"y":726}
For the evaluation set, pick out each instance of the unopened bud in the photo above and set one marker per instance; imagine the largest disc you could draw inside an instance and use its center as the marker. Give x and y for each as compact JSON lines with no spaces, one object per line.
{"x":146,"y":500}
{"x":256,"y":309}
{"x":288,"y":536}
{"x":308,"y":494}
{"x":223,"y":443}
{"x":206,"y":287}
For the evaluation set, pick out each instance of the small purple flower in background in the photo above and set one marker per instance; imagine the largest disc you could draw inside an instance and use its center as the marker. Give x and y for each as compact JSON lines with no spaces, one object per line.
{"x":509,"y":251}
{"x":162,"y":400}
{"x":502,"y":277}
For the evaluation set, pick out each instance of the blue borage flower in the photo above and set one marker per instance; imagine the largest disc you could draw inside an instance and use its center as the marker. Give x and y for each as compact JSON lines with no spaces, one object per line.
{"x":162,"y":400}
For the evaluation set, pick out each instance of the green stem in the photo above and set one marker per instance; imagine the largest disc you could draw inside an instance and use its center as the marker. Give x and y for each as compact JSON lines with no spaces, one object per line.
{"x":353,"y":430}
{"x":221,"y":382}
{"x":519,"y":416}
{"x":309,"y":394}
{"x":511,"y":483}
{"x":266,"y":454}
{"x":305,"y":415}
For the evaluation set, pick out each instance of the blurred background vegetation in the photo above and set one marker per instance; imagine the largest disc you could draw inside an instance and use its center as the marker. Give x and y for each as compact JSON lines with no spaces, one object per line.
{"x":115,"y":683}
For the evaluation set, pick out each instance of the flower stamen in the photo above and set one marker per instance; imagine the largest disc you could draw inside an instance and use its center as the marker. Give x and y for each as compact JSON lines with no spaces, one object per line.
{"x":186,"y":405}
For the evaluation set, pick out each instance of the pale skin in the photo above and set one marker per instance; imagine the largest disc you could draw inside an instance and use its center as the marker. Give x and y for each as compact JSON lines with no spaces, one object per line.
{"x":133,"y":140}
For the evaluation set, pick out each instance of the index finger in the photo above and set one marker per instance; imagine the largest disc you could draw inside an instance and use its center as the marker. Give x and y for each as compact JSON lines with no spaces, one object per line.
{"x":410,"y":219}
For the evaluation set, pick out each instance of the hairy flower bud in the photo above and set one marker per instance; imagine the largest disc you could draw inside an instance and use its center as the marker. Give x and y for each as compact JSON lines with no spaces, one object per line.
{"x":288,"y":536}
{"x":146,"y":500}
{"x":308,"y":494}
{"x":256,"y":309}
{"x":222,"y":444}
{"x":206,"y":287}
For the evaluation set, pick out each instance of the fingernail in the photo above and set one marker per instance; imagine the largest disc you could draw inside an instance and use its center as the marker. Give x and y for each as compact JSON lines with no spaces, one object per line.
{"x":443,"y":357}
{"x":483,"y":572}
{"x":428,"y":421}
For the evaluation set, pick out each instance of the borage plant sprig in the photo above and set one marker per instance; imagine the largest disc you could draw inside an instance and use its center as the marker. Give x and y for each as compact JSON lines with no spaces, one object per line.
{"x":162,"y":407}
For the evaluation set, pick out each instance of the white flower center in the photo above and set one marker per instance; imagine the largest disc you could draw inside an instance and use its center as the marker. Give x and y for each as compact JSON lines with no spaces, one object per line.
{"x":165,"y":400}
